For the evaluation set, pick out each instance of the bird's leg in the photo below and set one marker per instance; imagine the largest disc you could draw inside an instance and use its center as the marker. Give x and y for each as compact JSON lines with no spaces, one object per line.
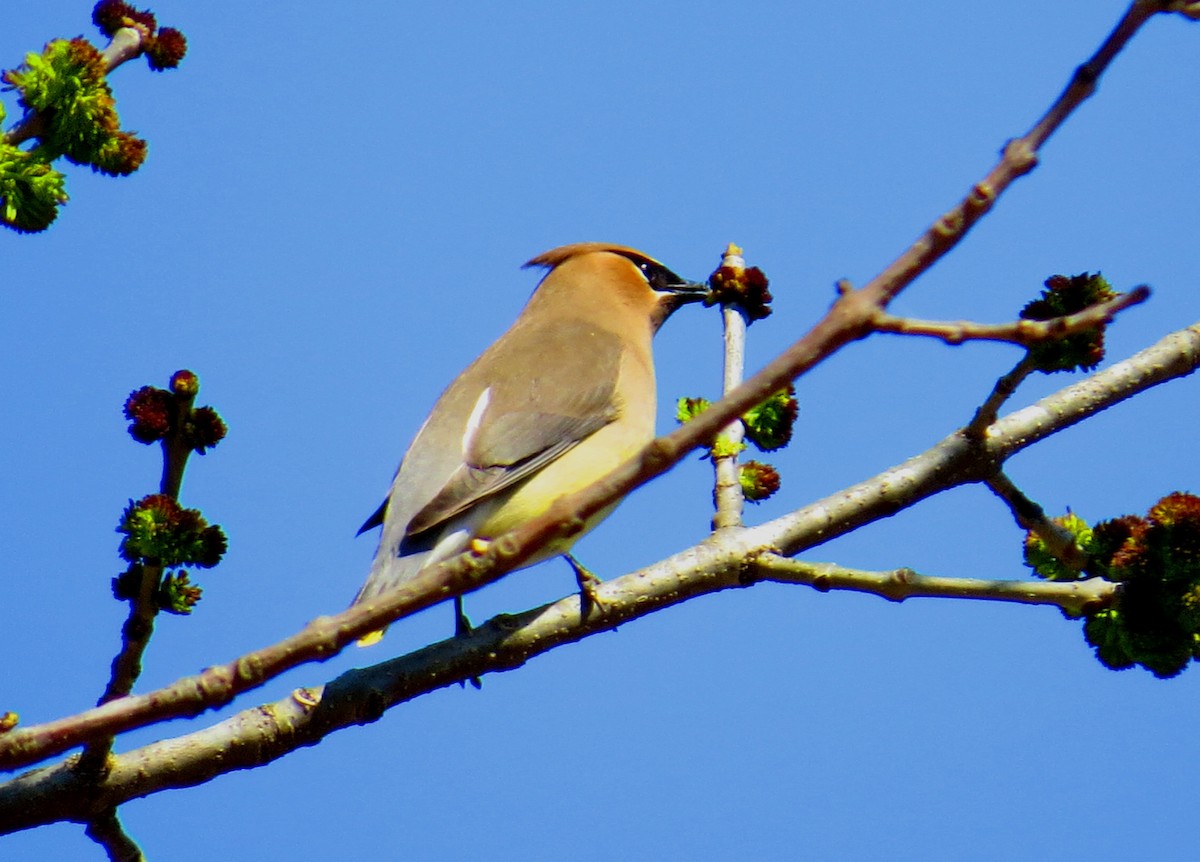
{"x":462,"y":623}
{"x":462,"y":629}
{"x":587,"y":580}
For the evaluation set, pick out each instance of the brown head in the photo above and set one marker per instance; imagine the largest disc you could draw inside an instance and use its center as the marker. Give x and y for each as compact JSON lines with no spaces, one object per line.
{"x":607,"y":282}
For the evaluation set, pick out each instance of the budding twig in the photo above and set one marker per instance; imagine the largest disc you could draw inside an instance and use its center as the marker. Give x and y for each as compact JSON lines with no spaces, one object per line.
{"x":1030,"y":516}
{"x":106,"y":830}
{"x":1074,"y":597}
{"x":143,"y":604}
{"x":1001,"y":392}
{"x":727,"y":493}
{"x":1027,"y":332}
{"x":125,"y":45}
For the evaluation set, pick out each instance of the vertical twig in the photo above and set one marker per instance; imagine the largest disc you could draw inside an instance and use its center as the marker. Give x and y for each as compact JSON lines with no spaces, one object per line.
{"x":107,"y":831}
{"x":105,"y":828}
{"x":1001,"y":392}
{"x":143,"y":606}
{"x":727,"y":494}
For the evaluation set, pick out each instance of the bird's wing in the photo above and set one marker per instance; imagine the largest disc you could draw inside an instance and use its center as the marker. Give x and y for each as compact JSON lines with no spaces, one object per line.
{"x":521,"y":425}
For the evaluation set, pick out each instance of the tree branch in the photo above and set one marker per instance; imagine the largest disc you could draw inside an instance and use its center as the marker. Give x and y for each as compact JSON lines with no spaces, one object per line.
{"x":1004,"y":389}
{"x":961,"y":458}
{"x":143,"y":605}
{"x":1019,"y":157}
{"x":1074,"y":597}
{"x":255,"y":737}
{"x":735,"y":559}
{"x":126,"y":44}
{"x":727,"y":489}
{"x":1030,"y":516}
{"x":849,"y":319}
{"x":1026,"y":332}
{"x":107,"y":831}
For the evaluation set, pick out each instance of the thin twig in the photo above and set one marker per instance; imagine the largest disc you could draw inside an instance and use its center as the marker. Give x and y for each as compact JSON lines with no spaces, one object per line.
{"x":1074,"y":597}
{"x":106,"y":830}
{"x":1026,"y":332}
{"x":960,"y":459}
{"x":1004,"y":389}
{"x":143,"y":606}
{"x":727,"y":491}
{"x":1032,"y":517}
{"x":126,"y":44}
{"x":1018,"y":158}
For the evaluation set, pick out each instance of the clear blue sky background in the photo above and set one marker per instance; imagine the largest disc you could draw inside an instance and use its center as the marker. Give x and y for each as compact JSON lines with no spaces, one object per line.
{"x":329,"y":226}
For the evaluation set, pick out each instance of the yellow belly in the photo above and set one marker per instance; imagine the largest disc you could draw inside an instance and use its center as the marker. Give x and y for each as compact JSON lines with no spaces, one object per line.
{"x":592,"y":459}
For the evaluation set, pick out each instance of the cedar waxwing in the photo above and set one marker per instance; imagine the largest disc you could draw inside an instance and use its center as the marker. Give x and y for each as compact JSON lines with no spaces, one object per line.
{"x":562,"y":398}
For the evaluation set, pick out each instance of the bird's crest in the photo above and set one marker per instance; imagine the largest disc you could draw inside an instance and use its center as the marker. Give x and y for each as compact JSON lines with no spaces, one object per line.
{"x":563,"y":253}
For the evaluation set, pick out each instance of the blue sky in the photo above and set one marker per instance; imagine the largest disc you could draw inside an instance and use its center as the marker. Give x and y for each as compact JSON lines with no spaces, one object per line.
{"x":329,"y":226}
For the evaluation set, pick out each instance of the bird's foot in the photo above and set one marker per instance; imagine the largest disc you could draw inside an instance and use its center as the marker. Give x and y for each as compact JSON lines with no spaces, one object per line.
{"x":462,"y":629}
{"x":462,"y":623}
{"x":589,"y":597}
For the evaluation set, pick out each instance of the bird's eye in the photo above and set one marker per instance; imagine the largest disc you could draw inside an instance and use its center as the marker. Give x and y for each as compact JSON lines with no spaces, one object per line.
{"x":659,"y":277}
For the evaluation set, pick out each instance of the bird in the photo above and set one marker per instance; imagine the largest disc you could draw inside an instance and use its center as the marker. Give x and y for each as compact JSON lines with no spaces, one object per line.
{"x":563,"y":397}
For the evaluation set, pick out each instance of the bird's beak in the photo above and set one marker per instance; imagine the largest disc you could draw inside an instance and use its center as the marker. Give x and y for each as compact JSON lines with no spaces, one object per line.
{"x":676,"y":293}
{"x":682,"y":292}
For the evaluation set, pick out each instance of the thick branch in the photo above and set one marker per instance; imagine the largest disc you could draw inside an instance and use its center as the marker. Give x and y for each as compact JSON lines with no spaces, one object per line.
{"x":256,"y":737}
{"x":259,"y":735}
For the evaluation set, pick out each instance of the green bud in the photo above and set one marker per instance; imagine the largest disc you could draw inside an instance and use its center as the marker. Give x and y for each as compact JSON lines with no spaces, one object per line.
{"x":1069,"y":295}
{"x":724,"y":447}
{"x":1045,"y":564}
{"x":769,"y":426}
{"x":759,"y":481}
{"x":687,"y":409}
{"x":178,"y":595}
{"x":31,"y":191}
{"x":157,"y":529}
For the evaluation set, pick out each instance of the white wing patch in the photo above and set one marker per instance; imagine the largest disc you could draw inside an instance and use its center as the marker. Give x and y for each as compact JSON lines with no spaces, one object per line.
{"x":473,"y":422}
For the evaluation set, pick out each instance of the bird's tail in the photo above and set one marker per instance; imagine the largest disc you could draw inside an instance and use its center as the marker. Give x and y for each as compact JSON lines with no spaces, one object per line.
{"x":388,"y":571}
{"x":396,"y":565}
{"x":371,"y":639}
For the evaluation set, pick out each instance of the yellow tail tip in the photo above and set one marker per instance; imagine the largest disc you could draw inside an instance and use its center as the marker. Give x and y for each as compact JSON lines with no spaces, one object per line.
{"x":370,"y":639}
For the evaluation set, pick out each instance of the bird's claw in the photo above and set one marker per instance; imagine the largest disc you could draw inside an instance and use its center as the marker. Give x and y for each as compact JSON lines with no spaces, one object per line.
{"x":462,"y":629}
{"x":589,"y":596}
